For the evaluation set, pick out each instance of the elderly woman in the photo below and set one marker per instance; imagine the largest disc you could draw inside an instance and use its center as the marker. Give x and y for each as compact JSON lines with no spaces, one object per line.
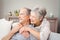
{"x":42,"y":26}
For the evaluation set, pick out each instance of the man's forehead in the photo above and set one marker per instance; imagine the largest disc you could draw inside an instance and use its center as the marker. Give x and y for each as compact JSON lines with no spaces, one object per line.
{"x":23,"y":10}
{"x":35,"y":14}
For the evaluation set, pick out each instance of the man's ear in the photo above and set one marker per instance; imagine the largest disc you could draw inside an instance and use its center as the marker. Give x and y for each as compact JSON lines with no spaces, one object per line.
{"x":28,"y":17}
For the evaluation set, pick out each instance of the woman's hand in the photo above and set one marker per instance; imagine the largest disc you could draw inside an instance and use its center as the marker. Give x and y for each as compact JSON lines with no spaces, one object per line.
{"x":32,"y":31}
{"x":24,"y":32}
{"x":24,"y":29}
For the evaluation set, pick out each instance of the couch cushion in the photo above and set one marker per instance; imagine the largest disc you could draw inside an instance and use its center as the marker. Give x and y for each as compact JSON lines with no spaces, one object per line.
{"x":54,"y":36}
{"x":5,"y":27}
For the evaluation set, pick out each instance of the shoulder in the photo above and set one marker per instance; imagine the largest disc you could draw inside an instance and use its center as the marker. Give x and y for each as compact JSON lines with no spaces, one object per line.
{"x":14,"y":24}
{"x":45,"y":22}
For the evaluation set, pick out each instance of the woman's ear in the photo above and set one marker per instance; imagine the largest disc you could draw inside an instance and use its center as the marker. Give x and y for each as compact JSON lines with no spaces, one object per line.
{"x":41,"y":18}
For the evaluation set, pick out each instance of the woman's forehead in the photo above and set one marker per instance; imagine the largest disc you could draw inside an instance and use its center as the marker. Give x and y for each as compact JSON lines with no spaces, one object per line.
{"x":35,"y":14}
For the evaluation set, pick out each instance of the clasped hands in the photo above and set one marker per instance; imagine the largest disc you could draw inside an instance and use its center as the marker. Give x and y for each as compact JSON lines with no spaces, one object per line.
{"x":24,"y":31}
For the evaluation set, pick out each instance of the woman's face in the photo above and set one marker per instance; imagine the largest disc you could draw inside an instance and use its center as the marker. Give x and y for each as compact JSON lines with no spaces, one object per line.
{"x":33,"y":18}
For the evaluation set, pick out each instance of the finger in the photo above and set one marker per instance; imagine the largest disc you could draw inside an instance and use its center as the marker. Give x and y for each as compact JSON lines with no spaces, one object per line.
{"x":21,"y":30}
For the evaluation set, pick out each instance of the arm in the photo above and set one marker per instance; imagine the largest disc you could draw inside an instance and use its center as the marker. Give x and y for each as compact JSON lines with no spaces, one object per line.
{"x":39,"y":35}
{"x":11,"y":33}
{"x":32,"y":31}
{"x":45,"y":31}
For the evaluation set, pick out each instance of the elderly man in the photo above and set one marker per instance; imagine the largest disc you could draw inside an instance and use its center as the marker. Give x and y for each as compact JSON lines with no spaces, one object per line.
{"x":42,"y":26}
{"x":23,"y":21}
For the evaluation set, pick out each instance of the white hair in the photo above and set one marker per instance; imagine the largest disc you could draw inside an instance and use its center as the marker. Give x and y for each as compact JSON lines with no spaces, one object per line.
{"x":39,"y":12}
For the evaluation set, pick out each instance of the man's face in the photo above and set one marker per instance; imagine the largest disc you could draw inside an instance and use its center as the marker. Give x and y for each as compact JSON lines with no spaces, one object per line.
{"x":23,"y":15}
{"x":33,"y":18}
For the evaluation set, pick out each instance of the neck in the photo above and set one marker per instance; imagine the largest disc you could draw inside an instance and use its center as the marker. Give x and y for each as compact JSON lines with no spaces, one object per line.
{"x":26,"y":23}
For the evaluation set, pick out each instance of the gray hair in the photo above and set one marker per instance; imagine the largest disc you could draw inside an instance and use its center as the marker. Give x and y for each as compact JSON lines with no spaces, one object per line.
{"x":39,"y":12}
{"x":28,"y":10}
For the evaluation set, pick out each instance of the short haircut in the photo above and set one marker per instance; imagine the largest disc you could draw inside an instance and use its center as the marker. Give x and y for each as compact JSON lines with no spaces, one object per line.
{"x":28,"y":10}
{"x":39,"y":12}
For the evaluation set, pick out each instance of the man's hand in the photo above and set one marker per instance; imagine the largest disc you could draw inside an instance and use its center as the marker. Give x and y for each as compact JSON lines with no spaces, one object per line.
{"x":24,"y":32}
{"x":32,"y":31}
{"x":24,"y":29}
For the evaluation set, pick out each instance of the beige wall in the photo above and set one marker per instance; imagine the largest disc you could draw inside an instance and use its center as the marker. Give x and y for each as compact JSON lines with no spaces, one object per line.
{"x":1,"y":7}
{"x":11,"y":5}
{"x":59,"y":19}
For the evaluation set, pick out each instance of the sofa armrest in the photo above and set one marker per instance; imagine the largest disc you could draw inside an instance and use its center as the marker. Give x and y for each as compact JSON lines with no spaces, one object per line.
{"x":54,"y":36}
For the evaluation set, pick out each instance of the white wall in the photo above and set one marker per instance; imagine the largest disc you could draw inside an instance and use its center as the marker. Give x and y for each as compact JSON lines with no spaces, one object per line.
{"x":11,"y":5}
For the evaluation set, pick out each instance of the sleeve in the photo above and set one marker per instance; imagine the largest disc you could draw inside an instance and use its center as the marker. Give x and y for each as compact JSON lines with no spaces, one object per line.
{"x":45,"y":32}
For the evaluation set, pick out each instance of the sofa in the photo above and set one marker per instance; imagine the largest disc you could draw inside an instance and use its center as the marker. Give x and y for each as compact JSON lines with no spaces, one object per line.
{"x":5,"y":27}
{"x":54,"y":36}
